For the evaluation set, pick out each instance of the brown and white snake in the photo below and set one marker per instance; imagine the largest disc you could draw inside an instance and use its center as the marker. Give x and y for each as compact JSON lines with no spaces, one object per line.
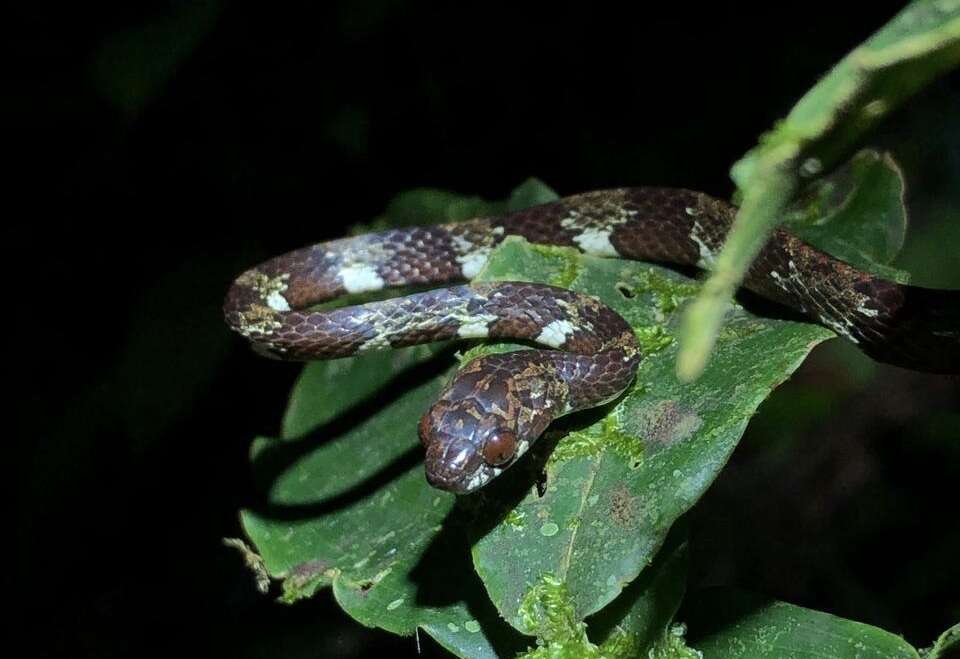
{"x":498,"y":405}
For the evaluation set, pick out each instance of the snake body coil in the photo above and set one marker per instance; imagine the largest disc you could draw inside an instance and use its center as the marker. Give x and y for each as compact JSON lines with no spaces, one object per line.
{"x":497,"y":405}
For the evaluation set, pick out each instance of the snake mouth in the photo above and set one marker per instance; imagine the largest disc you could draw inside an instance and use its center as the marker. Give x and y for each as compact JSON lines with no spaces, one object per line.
{"x":455,"y":465}
{"x":448,"y":482}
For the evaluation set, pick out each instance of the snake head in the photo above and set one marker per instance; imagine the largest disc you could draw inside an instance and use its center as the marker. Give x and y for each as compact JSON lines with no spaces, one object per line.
{"x":482,"y":423}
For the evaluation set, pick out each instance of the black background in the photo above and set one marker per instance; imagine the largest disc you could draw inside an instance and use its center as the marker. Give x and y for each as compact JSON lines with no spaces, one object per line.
{"x":159,"y":148}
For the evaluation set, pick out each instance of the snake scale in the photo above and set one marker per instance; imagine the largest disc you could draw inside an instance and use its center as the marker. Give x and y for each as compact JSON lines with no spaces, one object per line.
{"x":498,"y":405}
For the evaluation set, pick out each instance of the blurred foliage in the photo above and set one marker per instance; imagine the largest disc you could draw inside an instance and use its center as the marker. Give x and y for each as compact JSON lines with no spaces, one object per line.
{"x":743,"y":626}
{"x":132,"y":66}
{"x":919,"y":44}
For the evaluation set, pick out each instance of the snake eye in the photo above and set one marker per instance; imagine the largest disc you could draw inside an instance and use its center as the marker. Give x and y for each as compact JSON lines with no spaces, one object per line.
{"x":500,"y":447}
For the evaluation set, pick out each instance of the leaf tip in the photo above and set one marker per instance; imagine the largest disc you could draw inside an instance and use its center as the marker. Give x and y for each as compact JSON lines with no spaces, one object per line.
{"x":698,"y":334}
{"x":690,"y":363}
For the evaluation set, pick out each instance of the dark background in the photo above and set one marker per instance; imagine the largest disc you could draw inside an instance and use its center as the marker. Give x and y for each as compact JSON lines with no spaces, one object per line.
{"x":159,"y":148}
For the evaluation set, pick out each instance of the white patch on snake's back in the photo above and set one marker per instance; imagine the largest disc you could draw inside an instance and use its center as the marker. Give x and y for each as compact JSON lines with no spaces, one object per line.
{"x":270,"y":289}
{"x":277,"y":302}
{"x":610,"y":215}
{"x":473,"y":330}
{"x":461,"y":245}
{"x":472,"y":262}
{"x":707,"y":257}
{"x":474,"y":327}
{"x":571,"y":221}
{"x":555,"y":333}
{"x":596,"y":242}
{"x":360,"y":278}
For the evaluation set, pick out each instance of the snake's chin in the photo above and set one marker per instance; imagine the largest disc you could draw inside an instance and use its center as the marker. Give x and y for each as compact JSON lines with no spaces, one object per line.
{"x":455,"y":486}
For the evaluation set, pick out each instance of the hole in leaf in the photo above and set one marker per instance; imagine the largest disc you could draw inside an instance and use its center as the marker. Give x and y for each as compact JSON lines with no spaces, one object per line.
{"x":625,"y":290}
{"x":541,"y":484}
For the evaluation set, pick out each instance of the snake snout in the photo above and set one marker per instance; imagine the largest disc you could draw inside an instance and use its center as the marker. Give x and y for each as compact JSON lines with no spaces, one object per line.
{"x":453,"y":464}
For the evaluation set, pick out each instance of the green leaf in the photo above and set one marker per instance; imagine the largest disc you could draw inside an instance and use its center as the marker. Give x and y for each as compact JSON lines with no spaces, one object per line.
{"x":637,"y":624}
{"x":430,"y":206}
{"x":131,"y":68}
{"x":330,"y":389}
{"x":621,"y":476}
{"x":733,"y":624}
{"x":531,"y":192}
{"x":946,"y":647}
{"x":919,"y":44}
{"x":350,"y":509}
{"x":856,"y":214}
{"x":641,"y":618}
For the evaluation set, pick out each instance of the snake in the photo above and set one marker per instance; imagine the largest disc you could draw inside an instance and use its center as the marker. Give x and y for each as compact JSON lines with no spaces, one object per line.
{"x":496,"y":406}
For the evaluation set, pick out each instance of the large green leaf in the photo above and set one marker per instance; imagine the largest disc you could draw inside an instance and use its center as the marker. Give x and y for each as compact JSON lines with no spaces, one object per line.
{"x":640,"y":620}
{"x":351,"y":509}
{"x":621,"y":476}
{"x":733,"y":624}
{"x":638,"y":623}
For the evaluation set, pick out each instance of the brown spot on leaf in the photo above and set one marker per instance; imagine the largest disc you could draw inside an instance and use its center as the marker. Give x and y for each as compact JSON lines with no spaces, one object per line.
{"x":305,"y":572}
{"x":624,"y":507}
{"x":668,"y":422}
